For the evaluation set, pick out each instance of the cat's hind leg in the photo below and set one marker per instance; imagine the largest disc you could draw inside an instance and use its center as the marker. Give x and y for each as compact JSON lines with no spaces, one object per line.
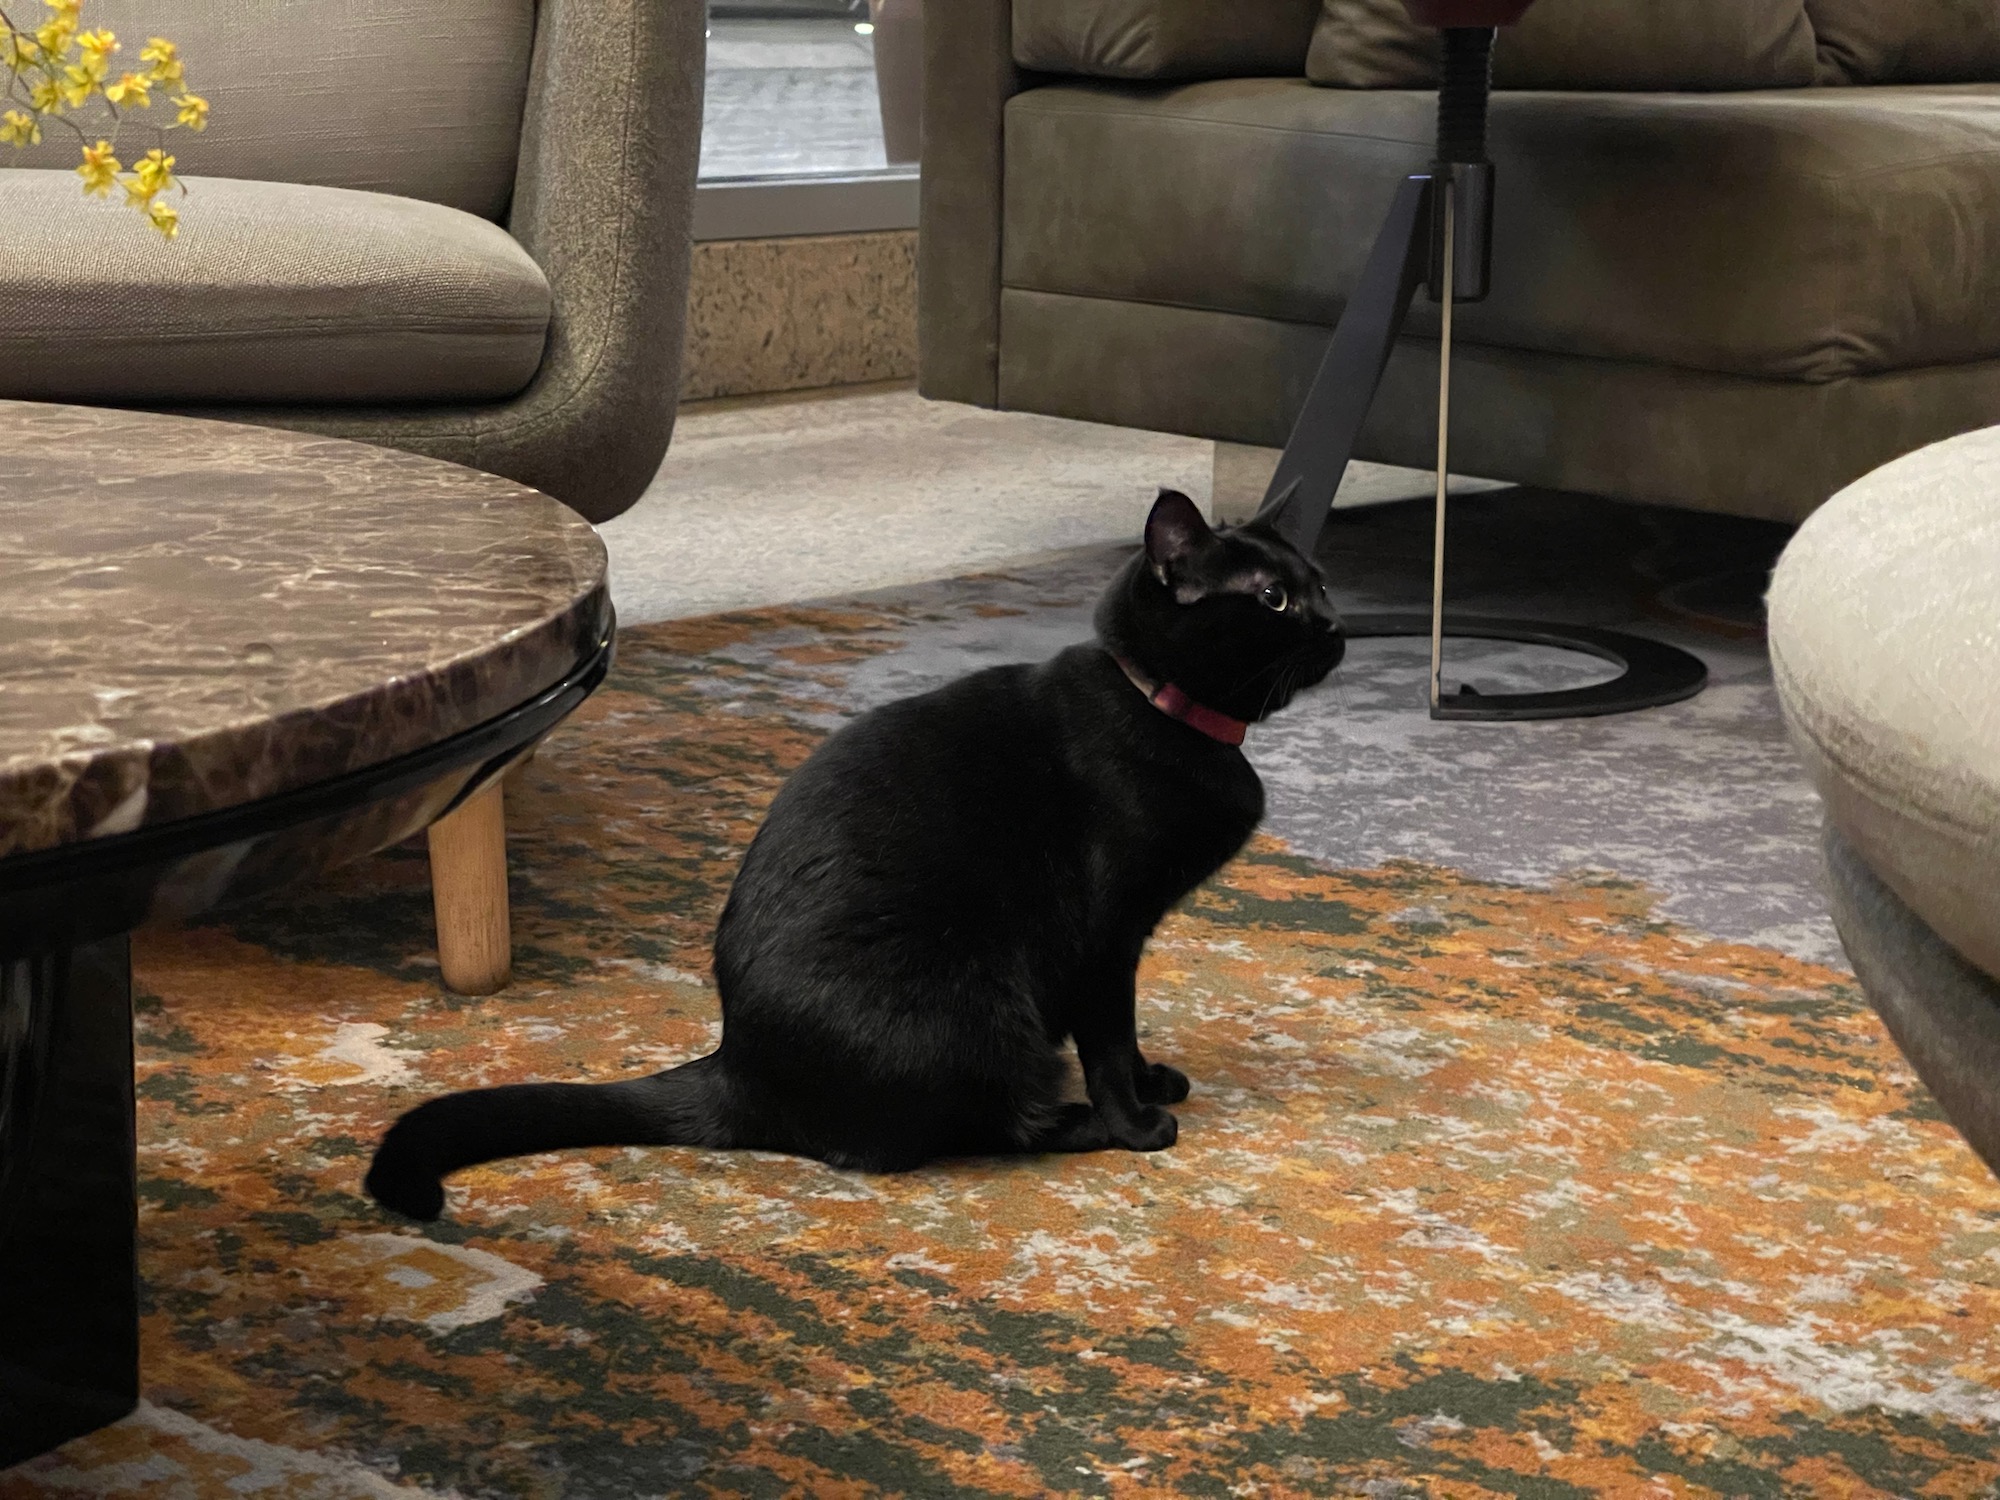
{"x":1073,"y":1127}
{"x":1158,"y":1083}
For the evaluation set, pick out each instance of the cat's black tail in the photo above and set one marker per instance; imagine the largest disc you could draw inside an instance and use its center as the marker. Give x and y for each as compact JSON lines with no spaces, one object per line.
{"x":685,"y":1106}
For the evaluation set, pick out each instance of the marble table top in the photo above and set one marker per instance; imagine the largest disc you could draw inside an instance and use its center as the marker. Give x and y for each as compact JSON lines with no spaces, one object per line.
{"x":195,"y":615}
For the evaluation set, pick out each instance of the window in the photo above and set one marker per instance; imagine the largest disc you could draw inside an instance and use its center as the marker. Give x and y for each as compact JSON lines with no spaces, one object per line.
{"x":812,"y":115}
{"x":792,"y":91}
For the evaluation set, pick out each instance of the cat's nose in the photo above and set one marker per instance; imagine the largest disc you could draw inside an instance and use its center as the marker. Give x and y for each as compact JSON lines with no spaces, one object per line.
{"x":1329,"y":622}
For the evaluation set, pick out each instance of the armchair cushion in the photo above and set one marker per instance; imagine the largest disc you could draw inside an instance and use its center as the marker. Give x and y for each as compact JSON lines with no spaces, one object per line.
{"x":1907,"y":41}
{"x":275,"y":292}
{"x":1139,"y":39}
{"x":1584,"y":44}
{"x":424,"y":102}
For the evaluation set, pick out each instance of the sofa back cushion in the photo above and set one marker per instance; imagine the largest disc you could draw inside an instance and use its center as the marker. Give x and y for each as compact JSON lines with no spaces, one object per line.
{"x":1907,"y":41}
{"x":1142,"y":39}
{"x":1619,"y":45}
{"x":421,"y":100}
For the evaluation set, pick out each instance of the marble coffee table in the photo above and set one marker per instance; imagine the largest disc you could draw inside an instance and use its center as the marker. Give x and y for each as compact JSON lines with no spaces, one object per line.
{"x":230,"y":658}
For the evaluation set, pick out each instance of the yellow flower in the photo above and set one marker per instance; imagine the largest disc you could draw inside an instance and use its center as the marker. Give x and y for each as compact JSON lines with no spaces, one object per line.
{"x":18,"y":128}
{"x":130,"y":91}
{"x":99,"y":170}
{"x":165,"y":58}
{"x":77,"y":86}
{"x":155,"y":170}
{"x":63,"y":67}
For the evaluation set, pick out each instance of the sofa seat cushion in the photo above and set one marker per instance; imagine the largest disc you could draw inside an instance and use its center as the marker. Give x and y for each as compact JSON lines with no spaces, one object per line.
{"x":1805,"y":234}
{"x":274,"y":293}
{"x":1885,"y":642}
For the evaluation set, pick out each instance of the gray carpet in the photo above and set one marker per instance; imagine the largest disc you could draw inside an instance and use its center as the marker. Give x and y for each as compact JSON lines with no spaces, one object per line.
{"x":1701,"y":801}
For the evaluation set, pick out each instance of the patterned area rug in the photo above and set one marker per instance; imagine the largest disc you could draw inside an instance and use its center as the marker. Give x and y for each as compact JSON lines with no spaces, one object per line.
{"x":1503,"y":1173}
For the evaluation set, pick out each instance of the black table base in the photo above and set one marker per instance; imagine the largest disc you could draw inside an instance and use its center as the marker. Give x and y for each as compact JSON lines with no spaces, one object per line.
{"x":69,"y":1320}
{"x":69,"y":1283}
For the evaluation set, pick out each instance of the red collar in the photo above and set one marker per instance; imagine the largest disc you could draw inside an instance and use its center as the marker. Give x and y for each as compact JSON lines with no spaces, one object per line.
{"x":1176,"y":704}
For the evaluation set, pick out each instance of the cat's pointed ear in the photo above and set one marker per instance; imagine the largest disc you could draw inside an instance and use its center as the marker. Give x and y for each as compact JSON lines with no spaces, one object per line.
{"x":1175,"y":531}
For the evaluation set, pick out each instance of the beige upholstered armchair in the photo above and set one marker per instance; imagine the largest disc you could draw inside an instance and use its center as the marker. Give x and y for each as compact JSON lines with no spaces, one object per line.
{"x":458,"y":228}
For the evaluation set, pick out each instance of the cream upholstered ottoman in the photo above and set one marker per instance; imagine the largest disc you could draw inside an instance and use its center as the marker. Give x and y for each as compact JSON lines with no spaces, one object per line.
{"x":1885,"y":640}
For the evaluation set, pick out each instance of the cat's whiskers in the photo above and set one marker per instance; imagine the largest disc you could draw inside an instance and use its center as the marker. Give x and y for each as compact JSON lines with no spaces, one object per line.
{"x":1248,"y":679}
{"x":1290,"y":675}
{"x":1339,"y":686}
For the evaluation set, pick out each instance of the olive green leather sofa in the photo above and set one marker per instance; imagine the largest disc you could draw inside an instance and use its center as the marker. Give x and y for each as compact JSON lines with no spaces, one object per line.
{"x":1745,"y":250}
{"x":459,"y":228}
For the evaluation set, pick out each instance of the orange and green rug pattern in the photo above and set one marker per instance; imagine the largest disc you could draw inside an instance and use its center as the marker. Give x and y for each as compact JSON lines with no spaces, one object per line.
{"x":1483,"y":1190}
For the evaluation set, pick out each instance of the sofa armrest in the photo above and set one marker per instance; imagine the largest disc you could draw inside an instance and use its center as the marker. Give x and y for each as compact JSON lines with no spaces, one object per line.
{"x":1162,"y":39}
{"x":969,"y":75}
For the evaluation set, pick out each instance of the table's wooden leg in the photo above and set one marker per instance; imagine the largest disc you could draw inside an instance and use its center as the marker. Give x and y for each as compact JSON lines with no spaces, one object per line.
{"x":469,"y":893}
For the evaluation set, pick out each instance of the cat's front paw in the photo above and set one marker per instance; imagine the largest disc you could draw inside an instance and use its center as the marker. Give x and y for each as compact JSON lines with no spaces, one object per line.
{"x":1149,"y":1129}
{"x":1159,"y":1084}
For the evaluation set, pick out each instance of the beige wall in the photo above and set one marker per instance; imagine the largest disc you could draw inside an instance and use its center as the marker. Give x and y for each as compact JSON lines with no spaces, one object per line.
{"x":799,"y":313}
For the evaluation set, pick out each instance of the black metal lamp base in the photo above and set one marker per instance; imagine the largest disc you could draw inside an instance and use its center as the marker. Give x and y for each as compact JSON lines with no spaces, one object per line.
{"x":1438,"y":235}
{"x":1655,"y":673}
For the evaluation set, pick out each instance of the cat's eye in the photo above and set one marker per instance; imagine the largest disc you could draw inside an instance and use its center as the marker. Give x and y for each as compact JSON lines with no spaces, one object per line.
{"x":1274,"y":597}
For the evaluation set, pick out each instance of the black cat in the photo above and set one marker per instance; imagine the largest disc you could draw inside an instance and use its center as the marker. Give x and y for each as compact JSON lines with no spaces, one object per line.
{"x":954,"y":883}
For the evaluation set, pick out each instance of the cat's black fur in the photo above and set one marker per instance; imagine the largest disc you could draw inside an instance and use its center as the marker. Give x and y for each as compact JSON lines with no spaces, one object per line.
{"x":952,"y":885}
